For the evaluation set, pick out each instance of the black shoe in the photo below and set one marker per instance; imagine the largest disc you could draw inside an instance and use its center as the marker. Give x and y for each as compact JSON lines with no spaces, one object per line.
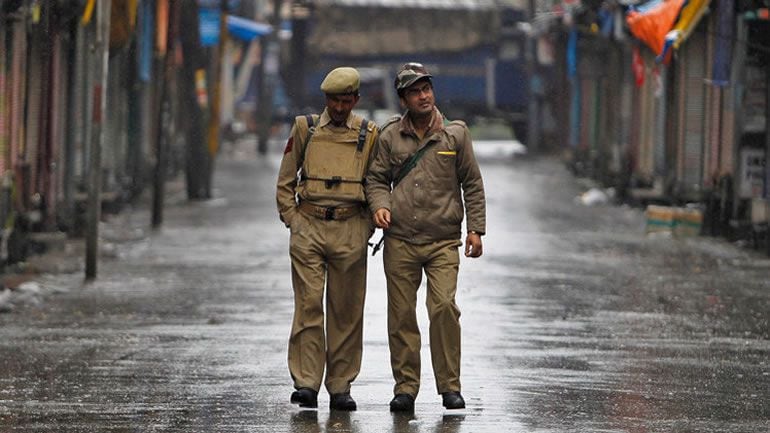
{"x":402,"y":403}
{"x":342,"y":401}
{"x":452,"y":400}
{"x":305,"y":397}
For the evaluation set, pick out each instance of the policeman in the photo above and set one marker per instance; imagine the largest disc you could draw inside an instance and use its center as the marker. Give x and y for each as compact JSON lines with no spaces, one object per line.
{"x":320,"y":195}
{"x":422,"y":174}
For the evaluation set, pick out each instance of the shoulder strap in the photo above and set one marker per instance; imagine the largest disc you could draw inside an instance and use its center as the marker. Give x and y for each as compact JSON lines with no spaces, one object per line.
{"x":410,"y":164}
{"x":310,"y":119}
{"x":362,"y":130}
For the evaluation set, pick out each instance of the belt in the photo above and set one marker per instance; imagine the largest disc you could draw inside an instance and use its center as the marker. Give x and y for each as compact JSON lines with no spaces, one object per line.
{"x":329,"y":213}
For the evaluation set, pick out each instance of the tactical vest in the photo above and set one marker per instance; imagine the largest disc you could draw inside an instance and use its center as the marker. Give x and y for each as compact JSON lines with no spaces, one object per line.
{"x":334,"y":164}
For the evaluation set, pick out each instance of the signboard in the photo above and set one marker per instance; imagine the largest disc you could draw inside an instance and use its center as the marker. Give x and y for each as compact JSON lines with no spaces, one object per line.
{"x":752,"y":172}
{"x":209,"y":26}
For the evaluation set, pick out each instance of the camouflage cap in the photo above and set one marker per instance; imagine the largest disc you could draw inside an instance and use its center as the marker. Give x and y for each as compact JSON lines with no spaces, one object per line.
{"x":341,"y":81}
{"x":409,"y":74}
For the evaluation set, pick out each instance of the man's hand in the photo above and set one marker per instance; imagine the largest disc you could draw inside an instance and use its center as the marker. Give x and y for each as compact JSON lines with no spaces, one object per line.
{"x":473,"y":246}
{"x":382,"y":218}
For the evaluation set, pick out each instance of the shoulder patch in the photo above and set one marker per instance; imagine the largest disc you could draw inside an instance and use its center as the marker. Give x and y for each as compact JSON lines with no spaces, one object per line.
{"x":289,"y":145}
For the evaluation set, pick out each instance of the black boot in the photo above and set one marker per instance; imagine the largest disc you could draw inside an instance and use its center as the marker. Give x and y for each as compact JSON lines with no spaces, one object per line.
{"x":342,"y":401}
{"x":402,"y":403}
{"x":305,"y":397}
{"x":452,"y":400}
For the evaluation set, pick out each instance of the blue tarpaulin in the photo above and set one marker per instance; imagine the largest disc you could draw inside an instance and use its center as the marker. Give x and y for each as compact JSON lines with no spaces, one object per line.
{"x":246,"y":29}
{"x":146,"y":33}
{"x":724,"y":44}
{"x":572,"y":53}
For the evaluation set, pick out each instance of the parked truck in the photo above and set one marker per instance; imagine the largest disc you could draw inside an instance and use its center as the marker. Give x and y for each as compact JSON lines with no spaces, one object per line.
{"x":474,"y":48}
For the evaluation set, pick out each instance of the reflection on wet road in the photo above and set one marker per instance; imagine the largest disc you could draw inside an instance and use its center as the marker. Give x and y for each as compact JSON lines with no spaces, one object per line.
{"x":573,"y":321}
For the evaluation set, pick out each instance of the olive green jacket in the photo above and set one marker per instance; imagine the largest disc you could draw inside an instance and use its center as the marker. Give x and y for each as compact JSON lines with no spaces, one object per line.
{"x":427,"y":205}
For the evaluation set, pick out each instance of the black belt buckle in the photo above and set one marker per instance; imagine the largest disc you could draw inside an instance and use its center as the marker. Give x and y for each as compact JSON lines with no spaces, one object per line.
{"x":335,"y":180}
{"x":329,"y":213}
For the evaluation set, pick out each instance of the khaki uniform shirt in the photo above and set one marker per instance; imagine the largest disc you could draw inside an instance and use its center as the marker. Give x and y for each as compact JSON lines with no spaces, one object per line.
{"x":427,"y":205}
{"x":287,"y":191}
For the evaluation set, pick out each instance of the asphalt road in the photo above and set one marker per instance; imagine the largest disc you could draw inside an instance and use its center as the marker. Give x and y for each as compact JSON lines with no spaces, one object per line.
{"x":573,"y":321}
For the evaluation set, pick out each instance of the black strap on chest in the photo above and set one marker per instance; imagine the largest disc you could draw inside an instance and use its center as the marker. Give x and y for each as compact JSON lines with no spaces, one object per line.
{"x":310,"y":118}
{"x":412,"y":161}
{"x":410,"y":164}
{"x":362,"y":131}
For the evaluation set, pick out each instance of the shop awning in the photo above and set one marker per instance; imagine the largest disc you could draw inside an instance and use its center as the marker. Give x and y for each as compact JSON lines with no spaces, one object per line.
{"x":650,"y":22}
{"x":665,"y":24}
{"x":246,"y":29}
{"x":692,"y":12}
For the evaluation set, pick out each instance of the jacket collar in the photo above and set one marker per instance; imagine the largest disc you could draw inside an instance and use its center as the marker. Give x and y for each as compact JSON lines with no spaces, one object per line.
{"x":437,"y":123}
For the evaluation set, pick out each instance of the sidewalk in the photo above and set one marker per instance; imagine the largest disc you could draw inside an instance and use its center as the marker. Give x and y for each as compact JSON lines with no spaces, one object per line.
{"x":20,"y":282}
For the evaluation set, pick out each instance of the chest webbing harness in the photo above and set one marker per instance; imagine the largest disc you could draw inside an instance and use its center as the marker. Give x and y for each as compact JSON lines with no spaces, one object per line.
{"x":334,"y":180}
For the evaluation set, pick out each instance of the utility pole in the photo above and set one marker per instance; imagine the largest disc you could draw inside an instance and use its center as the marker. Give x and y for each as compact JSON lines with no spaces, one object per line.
{"x":535,"y":83}
{"x":167,"y":8}
{"x":767,"y":153}
{"x":268,"y":69}
{"x":194,"y":103}
{"x":300,"y":17}
{"x":102,"y":50}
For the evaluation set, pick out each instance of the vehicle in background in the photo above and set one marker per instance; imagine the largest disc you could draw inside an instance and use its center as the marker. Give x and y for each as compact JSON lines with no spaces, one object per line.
{"x":475,"y":50}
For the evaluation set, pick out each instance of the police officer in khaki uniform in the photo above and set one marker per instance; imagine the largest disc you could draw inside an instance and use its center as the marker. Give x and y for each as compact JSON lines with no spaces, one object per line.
{"x":423,"y":171}
{"x":321,"y":199}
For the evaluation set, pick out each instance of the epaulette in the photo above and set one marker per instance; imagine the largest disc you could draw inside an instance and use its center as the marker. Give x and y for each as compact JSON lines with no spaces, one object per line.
{"x":392,"y":120}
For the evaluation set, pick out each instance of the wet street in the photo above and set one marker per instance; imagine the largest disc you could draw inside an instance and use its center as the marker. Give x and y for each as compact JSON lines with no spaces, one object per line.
{"x":573,"y":321}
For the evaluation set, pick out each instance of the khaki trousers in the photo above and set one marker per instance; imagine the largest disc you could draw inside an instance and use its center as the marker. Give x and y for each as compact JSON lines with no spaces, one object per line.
{"x":404,"y":265}
{"x":330,"y":255}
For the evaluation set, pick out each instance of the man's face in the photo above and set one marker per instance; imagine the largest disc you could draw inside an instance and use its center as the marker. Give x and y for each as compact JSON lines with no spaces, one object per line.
{"x":340,"y":106}
{"x":418,"y":98}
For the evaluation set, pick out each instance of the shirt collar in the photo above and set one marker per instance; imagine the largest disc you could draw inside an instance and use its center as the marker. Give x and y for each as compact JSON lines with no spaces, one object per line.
{"x":325,"y":119}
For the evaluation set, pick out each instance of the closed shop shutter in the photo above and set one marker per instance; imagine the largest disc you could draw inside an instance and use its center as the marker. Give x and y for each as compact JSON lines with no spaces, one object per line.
{"x":592,"y":74}
{"x":57,"y":132}
{"x":587,"y":97}
{"x":16,"y":85}
{"x":648,"y":96}
{"x":33,"y":123}
{"x":692,"y":84}
{"x":4,"y":103}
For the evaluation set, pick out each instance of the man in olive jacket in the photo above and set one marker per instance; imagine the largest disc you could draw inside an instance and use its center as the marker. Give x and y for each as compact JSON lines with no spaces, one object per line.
{"x":423,"y":171}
